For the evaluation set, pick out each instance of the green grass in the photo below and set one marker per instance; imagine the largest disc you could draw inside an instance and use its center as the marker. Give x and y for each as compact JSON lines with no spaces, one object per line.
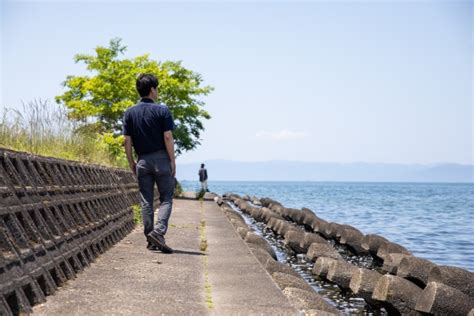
{"x":137,"y":214}
{"x":42,"y":128}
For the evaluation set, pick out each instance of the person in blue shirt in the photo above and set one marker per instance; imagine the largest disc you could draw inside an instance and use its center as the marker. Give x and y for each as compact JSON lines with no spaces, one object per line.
{"x":148,"y":128}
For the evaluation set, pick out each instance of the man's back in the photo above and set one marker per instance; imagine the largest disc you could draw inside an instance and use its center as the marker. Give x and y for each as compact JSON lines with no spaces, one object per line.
{"x":202,"y":174}
{"x":145,"y":123}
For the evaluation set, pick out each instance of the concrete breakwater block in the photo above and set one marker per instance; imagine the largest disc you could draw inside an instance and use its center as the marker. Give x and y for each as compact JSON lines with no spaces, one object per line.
{"x":242,"y":231}
{"x":415,"y":269}
{"x":267,"y":201}
{"x":259,"y":241}
{"x":233,"y":214}
{"x":293,"y":239}
{"x":261,"y":255}
{"x":311,"y":221}
{"x":340,"y":272}
{"x":391,"y":247}
{"x":289,"y":213}
{"x":344,"y":227}
{"x":285,"y":227}
{"x":392,"y":262}
{"x":319,"y":226}
{"x":301,"y":216}
{"x":273,"y":223}
{"x":284,"y":280}
{"x":353,"y":239}
{"x":273,"y":266}
{"x":397,"y":294}
{"x":305,"y":300}
{"x":363,"y":282}
{"x":309,"y":217}
{"x":267,"y":214}
{"x":372,"y":242}
{"x":441,"y":299}
{"x":457,"y":278}
{"x":330,"y":230}
{"x":310,"y":238}
{"x":317,"y":250}
{"x":277,"y":208}
{"x":322,"y":265}
{"x":188,"y":195}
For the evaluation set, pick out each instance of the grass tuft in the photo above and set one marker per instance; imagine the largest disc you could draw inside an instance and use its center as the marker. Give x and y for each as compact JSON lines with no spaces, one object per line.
{"x":42,"y":128}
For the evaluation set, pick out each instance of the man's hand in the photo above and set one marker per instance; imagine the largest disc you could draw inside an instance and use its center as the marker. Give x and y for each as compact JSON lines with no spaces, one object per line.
{"x":133,"y":167}
{"x":173,"y":168}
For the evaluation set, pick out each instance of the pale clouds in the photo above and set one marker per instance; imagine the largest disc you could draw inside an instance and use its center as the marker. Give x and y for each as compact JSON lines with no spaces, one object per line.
{"x":282,"y":135}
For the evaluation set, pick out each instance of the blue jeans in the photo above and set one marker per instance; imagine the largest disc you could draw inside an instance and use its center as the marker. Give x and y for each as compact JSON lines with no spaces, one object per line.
{"x":155,"y":168}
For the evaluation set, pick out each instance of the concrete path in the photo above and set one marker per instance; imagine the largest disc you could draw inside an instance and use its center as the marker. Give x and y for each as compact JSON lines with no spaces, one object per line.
{"x":225,"y":279}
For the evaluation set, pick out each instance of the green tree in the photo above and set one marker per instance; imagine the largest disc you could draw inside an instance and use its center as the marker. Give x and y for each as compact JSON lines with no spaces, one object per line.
{"x":100,"y":100}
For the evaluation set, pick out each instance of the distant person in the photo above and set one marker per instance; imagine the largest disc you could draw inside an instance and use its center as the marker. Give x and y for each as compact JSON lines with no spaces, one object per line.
{"x":203,"y":178}
{"x":148,"y":127}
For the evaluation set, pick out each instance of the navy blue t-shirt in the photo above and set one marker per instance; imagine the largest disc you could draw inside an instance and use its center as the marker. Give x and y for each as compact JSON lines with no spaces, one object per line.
{"x":145,"y":123}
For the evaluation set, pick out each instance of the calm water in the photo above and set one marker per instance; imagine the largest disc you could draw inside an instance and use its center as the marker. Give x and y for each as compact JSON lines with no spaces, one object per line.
{"x":433,"y":220}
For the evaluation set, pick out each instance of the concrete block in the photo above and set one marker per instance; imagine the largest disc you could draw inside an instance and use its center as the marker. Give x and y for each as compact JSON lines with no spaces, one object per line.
{"x":285,"y":227}
{"x":317,"y":250}
{"x":321,"y":266}
{"x":284,"y":280}
{"x":340,"y":272}
{"x":253,"y":238}
{"x":363,"y":282}
{"x":372,"y":242}
{"x":391,"y":247}
{"x":441,"y":299}
{"x":273,"y":266}
{"x":261,"y":255}
{"x":310,"y":238}
{"x":242,"y":231}
{"x":353,"y":239}
{"x":293,"y":239}
{"x":415,"y":269}
{"x":319,"y":226}
{"x":188,"y":195}
{"x":305,"y":300}
{"x":330,"y":230}
{"x":392,"y":262}
{"x":344,"y":227}
{"x":315,"y":312}
{"x":397,"y":294}
{"x":455,"y":277}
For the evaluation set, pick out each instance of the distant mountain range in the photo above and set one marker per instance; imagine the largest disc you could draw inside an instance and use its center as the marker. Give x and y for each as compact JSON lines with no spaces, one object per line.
{"x":227,"y":170}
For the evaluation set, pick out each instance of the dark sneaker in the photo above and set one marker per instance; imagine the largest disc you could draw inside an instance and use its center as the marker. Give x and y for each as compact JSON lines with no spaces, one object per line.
{"x":152,"y":247}
{"x":158,"y":241}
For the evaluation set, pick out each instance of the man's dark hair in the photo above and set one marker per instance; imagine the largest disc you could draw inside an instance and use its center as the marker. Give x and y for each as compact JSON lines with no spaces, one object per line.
{"x":144,"y":84}
{"x":202,"y":165}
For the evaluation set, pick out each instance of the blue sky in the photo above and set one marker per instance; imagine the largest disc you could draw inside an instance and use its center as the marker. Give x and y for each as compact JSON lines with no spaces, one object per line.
{"x":337,"y":81}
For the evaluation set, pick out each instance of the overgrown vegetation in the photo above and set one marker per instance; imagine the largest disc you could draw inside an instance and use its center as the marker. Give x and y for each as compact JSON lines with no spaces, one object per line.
{"x":137,"y":214}
{"x":178,"y":189}
{"x":43,"y":128}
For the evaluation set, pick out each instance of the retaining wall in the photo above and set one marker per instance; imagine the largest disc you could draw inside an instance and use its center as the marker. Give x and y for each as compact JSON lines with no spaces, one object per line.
{"x":56,"y":216}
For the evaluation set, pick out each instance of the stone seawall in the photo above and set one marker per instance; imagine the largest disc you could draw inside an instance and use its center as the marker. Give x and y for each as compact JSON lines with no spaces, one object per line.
{"x":396,"y":281}
{"x":56,"y":217}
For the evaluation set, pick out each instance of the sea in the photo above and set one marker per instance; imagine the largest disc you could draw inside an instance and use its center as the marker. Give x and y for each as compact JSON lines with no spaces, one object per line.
{"x":434,"y":221}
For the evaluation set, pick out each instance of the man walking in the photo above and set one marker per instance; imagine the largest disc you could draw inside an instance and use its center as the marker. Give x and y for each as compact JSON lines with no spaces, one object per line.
{"x":203,"y":178}
{"x":148,"y":127}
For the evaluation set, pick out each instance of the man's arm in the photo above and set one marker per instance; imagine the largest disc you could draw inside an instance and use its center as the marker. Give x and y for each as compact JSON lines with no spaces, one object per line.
{"x":128,"y":150}
{"x":169,"y":143}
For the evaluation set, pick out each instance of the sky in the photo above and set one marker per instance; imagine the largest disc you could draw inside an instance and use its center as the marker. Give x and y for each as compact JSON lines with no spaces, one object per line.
{"x":341,"y":81}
